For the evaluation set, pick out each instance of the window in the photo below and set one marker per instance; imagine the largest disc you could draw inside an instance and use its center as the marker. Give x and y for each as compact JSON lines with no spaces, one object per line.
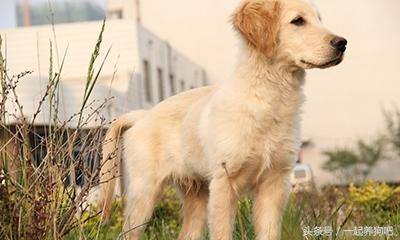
{"x":160,"y":84}
{"x":86,"y":162}
{"x":183,"y":85}
{"x":147,"y":81}
{"x":172,"y":83}
{"x":204,"y":78}
{"x":205,"y":82}
{"x":66,"y":11}
{"x":37,"y":141}
{"x":115,"y":14}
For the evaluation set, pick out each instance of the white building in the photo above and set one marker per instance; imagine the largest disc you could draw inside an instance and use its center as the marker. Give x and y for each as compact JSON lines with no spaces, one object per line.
{"x":140,"y":71}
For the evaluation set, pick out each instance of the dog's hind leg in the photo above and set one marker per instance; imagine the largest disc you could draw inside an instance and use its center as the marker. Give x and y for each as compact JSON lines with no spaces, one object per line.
{"x":194,"y":213}
{"x":142,"y":195}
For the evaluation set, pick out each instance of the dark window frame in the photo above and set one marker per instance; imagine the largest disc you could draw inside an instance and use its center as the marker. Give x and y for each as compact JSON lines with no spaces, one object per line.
{"x":160,"y":78}
{"x":172,"y":83}
{"x":183,"y":85}
{"x":147,"y":81}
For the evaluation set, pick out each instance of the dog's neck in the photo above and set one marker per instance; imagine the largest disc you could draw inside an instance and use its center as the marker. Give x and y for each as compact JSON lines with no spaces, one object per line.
{"x":257,"y":72}
{"x":265,"y":85}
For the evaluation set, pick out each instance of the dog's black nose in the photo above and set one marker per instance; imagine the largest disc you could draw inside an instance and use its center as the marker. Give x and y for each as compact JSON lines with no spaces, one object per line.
{"x":339,"y":43}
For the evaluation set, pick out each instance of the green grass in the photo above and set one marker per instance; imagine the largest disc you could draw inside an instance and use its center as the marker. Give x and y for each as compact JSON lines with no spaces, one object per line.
{"x":331,"y":208}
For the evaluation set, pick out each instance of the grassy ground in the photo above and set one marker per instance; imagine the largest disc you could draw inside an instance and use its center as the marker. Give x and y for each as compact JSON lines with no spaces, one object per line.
{"x":335,"y":209}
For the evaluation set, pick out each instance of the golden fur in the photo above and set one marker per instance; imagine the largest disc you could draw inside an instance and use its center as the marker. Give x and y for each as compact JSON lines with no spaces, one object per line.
{"x":110,"y":168}
{"x":240,"y":136}
{"x":259,"y":24}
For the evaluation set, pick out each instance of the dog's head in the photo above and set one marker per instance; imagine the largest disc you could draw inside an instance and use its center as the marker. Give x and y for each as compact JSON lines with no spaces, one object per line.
{"x":289,"y":31}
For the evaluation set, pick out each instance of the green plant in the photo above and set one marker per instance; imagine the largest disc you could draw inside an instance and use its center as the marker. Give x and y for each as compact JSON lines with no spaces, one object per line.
{"x":393,"y":129}
{"x":355,"y":164}
{"x":94,"y":228}
{"x":39,"y":166}
{"x":377,"y":199}
{"x":166,"y":220}
{"x":332,"y":208}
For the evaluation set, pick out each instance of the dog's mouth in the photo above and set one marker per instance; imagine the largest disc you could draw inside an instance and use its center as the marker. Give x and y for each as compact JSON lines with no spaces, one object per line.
{"x":330,"y":63}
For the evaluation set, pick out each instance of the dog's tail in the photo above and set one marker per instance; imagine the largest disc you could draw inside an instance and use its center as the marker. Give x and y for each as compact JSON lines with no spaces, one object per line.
{"x":111,"y":160}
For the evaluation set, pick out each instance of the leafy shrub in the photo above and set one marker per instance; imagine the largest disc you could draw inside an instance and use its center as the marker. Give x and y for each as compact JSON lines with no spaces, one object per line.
{"x":355,"y":164}
{"x":378,"y":200}
{"x":393,"y":129}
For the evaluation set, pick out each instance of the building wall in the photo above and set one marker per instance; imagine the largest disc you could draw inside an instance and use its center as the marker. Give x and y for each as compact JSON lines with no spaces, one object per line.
{"x":29,"y":48}
{"x":122,"y":74}
{"x":155,"y":53}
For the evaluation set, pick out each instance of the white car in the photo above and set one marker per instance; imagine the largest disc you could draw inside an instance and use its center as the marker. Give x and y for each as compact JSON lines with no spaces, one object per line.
{"x":302,"y":178}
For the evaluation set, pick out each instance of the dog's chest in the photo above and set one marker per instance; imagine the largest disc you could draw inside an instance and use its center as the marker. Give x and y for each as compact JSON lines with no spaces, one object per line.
{"x":276,"y":131}
{"x":272,"y":134}
{"x":250,"y":132}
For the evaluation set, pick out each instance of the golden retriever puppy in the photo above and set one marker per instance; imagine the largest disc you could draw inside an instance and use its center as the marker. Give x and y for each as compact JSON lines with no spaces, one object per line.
{"x":240,"y":136}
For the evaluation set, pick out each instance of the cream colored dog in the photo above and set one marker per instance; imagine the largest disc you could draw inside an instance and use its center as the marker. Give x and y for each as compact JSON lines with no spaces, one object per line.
{"x":241,"y":136}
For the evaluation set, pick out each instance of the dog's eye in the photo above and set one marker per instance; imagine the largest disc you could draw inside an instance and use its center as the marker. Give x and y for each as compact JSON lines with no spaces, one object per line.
{"x":298,"y":21}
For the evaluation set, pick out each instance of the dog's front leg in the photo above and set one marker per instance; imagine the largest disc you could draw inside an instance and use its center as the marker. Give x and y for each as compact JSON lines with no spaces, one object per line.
{"x":270,"y":201}
{"x":222,"y":208}
{"x":194,"y":213}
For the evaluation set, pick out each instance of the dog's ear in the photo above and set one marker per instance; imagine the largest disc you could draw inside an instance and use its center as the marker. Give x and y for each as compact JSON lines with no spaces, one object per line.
{"x":257,"y":21}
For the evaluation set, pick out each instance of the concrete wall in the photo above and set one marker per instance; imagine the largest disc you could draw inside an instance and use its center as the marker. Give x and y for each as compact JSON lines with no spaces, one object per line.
{"x":31,"y":91}
{"x":29,"y":48}
{"x":178,"y":73}
{"x":130,"y":44}
{"x":155,"y":52}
